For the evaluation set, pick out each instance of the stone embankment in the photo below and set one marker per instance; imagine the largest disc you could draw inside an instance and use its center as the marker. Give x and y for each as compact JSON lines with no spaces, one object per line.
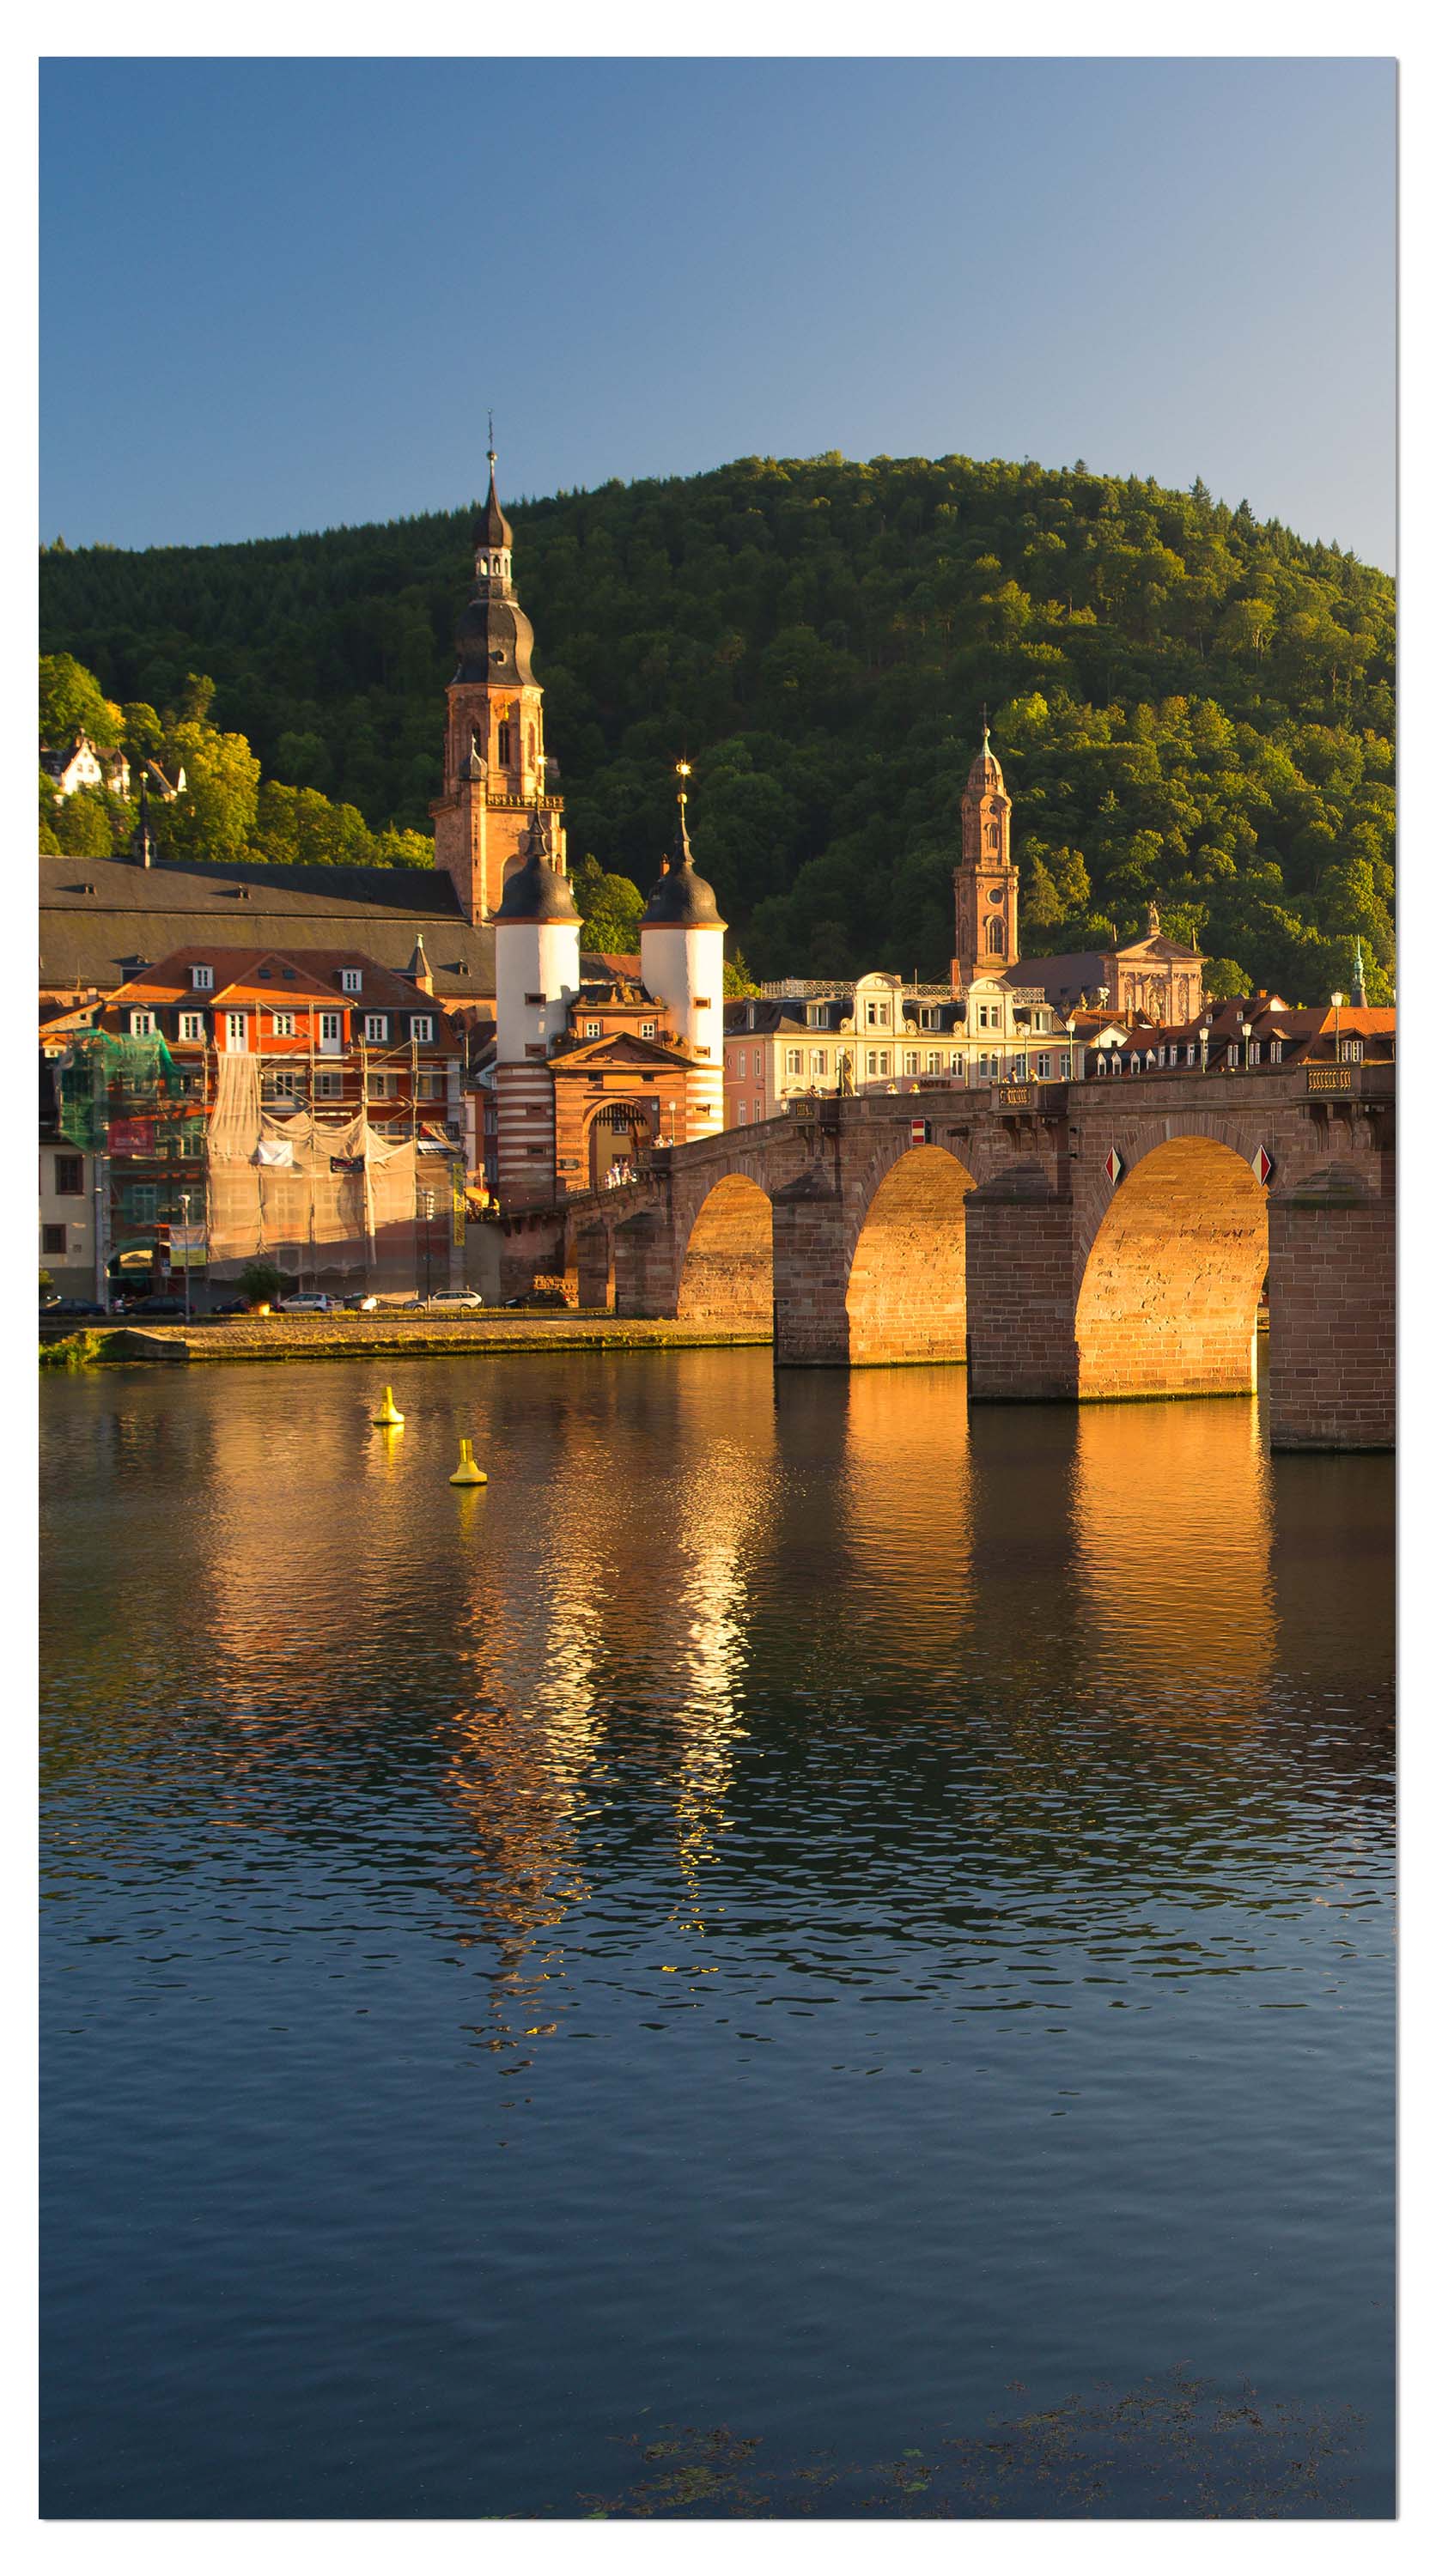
{"x":347,"y":1337}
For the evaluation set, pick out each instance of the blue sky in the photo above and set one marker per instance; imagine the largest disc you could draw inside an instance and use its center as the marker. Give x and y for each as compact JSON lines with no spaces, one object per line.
{"x":281,"y":294}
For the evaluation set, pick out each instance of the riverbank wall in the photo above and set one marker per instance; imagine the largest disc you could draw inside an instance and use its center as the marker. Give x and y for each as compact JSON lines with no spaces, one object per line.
{"x":387,"y":1337}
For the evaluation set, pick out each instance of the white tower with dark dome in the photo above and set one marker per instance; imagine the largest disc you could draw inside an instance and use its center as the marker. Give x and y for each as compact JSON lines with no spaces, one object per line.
{"x":681,"y":946}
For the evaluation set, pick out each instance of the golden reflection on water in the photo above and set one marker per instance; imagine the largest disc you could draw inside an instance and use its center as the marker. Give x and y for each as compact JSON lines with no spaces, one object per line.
{"x":1172,"y":1544}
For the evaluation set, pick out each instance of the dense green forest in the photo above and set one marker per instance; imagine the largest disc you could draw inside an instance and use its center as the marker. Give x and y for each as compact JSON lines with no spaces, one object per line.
{"x":1188,"y":705}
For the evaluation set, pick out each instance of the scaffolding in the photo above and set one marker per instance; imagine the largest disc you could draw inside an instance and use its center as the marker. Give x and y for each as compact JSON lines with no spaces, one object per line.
{"x":316,"y":1196}
{"x":124,"y":1100}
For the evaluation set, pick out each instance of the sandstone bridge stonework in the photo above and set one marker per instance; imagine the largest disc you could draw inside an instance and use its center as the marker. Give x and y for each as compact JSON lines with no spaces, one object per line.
{"x":1082,"y":1241}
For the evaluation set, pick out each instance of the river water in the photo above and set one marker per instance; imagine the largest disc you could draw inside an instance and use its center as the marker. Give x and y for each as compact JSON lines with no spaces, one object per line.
{"x":832,"y":1918}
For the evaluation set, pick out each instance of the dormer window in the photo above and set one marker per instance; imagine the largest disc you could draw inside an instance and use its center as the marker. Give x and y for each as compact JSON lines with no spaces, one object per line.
{"x":142,"y":1024}
{"x":201,"y":979}
{"x":351,"y":980}
{"x":421,"y":1029}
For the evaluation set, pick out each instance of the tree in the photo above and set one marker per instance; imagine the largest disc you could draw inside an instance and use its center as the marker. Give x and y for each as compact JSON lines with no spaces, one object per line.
{"x":72,"y":702}
{"x":215,"y":818}
{"x":819,"y":637}
{"x":84,"y":826}
{"x":260,"y":1282}
{"x":612,"y":909}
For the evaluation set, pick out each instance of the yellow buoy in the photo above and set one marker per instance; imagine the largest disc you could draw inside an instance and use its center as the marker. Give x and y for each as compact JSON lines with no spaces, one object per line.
{"x":466,"y":1473}
{"x":388,"y":1416}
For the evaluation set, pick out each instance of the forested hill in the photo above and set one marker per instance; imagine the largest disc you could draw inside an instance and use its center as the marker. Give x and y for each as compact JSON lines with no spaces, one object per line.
{"x":1187,"y":705}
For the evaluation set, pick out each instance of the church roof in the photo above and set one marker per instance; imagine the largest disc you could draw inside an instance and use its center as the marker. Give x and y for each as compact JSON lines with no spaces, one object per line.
{"x":985,"y":776}
{"x":493,"y":638}
{"x":100,"y":917}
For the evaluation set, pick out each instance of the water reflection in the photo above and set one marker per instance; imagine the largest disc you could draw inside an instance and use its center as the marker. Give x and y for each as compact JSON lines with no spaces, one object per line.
{"x":928,"y":1869}
{"x":1172,"y":1537}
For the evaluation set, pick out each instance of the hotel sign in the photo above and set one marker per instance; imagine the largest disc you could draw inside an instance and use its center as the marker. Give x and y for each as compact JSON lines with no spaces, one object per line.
{"x":1328,"y":1077}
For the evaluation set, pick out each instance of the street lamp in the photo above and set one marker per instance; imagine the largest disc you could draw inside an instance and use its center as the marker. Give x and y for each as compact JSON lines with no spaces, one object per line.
{"x":184,"y":1247}
{"x":1336,"y":1002}
{"x":1246,"y":1029}
{"x":426,"y":1210}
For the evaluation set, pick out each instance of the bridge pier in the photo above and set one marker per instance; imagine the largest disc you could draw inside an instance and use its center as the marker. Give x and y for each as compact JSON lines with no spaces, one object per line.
{"x":645,"y":1267}
{"x":1021,"y":1336}
{"x":810,"y":1274}
{"x":593,"y":1265}
{"x":1332,"y":1290}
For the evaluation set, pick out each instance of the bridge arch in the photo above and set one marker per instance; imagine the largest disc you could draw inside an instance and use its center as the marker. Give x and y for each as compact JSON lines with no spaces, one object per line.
{"x":907,"y":1281}
{"x":1170,"y":1288}
{"x":727,"y":1271}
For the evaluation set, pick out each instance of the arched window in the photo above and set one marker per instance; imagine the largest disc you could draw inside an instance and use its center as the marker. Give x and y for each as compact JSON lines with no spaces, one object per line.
{"x":997,"y":939}
{"x":505,"y":745}
{"x":992,"y":836}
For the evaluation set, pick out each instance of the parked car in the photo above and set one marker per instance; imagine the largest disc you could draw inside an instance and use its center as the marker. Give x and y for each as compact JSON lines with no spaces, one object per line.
{"x":450,"y":1298}
{"x":361,"y":1305}
{"x":539,"y":1297}
{"x":233,"y":1306}
{"x":316,"y":1304}
{"x":49,"y":1297}
{"x":71,"y":1306}
{"x":158,"y":1306}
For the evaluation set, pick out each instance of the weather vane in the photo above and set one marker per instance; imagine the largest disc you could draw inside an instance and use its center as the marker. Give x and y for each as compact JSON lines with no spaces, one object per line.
{"x":493,"y":451}
{"x":684,"y":771}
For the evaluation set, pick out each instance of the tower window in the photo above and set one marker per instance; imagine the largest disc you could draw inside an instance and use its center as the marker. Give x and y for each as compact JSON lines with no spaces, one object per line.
{"x":505,"y":745}
{"x":996,"y":939}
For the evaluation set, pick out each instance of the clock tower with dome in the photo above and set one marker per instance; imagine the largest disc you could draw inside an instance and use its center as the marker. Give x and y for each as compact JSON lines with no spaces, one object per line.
{"x":495,"y":770}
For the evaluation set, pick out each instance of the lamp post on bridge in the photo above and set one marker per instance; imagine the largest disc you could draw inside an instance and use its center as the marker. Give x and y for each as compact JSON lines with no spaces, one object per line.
{"x":1246,"y":1028}
{"x":1336,"y":1002}
{"x":184,"y":1230}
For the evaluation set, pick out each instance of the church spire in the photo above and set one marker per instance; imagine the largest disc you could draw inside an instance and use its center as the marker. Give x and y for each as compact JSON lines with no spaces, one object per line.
{"x":985,"y":880}
{"x":493,"y":529}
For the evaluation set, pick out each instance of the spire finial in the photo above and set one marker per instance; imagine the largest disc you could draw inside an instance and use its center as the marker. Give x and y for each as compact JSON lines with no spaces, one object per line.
{"x":986,"y":729}
{"x":683,"y":771}
{"x":493,"y":451}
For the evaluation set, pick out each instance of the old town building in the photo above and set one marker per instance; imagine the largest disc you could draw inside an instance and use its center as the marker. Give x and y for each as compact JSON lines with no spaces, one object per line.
{"x":302,"y":1103}
{"x":878,"y":1033}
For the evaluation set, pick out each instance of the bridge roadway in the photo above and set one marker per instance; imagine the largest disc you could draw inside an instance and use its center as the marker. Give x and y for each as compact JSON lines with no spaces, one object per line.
{"x":1093,"y":1240}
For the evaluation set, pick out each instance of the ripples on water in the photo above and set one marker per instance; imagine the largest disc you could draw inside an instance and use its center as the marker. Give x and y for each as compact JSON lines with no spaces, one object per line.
{"x":832,"y":1918}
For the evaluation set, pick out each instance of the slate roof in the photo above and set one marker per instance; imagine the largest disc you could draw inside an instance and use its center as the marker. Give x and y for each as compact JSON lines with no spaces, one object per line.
{"x":99,"y":938}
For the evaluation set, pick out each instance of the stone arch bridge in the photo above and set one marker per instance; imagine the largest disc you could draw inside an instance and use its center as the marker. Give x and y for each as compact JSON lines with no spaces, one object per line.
{"x":1063,"y":1241}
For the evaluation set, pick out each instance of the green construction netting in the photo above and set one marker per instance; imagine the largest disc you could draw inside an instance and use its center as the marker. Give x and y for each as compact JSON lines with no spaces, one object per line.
{"x":119,"y":1094}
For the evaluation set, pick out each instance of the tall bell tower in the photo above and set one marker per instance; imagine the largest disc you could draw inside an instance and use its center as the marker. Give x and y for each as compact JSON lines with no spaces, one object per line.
{"x":495,"y":768}
{"x":985,"y":880}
